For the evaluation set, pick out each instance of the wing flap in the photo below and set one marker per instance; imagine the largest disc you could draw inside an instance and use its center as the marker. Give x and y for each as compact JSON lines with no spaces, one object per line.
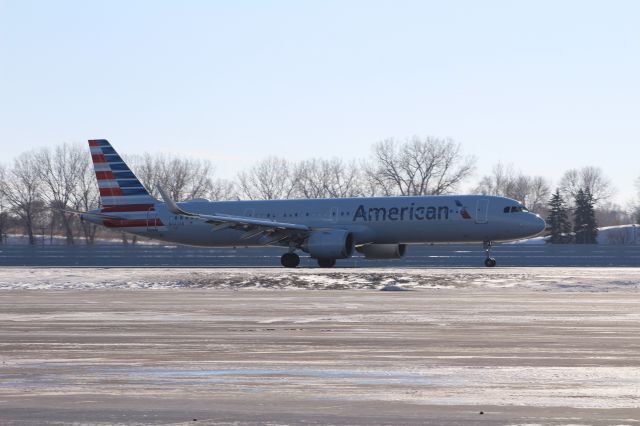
{"x":243,"y":220}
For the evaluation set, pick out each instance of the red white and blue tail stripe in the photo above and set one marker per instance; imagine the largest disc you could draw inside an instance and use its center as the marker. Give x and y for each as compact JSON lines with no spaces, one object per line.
{"x":120,"y":189}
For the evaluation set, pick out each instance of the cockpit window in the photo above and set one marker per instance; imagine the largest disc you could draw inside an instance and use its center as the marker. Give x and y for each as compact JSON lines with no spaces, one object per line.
{"x":515,"y":209}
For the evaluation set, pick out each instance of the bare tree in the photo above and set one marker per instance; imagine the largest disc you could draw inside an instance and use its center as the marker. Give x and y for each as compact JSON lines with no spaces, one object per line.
{"x":23,"y":191}
{"x":321,"y":178}
{"x":86,"y":197}
{"x":533,"y":191}
{"x":188,"y":179}
{"x":269,"y":179}
{"x":4,"y":216}
{"x":428,"y":166}
{"x":223,"y":189}
{"x":60,"y":170}
{"x":499,"y":182}
{"x":538,"y":194}
{"x":587,"y":178}
{"x":610,"y":214}
{"x":183,"y":178}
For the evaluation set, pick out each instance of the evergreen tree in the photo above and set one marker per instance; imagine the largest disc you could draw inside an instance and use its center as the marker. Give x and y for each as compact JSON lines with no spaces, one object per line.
{"x":558,"y":220}
{"x":584,"y":223}
{"x":635,"y":213}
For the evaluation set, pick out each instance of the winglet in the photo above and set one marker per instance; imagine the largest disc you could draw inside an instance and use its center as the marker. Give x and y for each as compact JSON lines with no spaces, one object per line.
{"x":171,"y":205}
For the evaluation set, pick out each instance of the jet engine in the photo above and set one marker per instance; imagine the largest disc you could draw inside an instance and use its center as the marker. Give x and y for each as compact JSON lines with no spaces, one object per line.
{"x":383,"y":251}
{"x":333,"y":244}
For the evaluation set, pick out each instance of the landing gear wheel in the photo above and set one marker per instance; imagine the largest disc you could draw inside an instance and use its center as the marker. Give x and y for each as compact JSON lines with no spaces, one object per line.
{"x":326,"y":263}
{"x":490,"y":262}
{"x":290,"y":260}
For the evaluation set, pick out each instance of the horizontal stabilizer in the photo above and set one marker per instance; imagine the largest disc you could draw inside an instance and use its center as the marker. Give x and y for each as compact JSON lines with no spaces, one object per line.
{"x":94,"y":215}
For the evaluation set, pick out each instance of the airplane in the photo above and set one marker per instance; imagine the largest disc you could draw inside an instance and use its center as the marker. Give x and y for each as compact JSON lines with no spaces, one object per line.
{"x":327,"y":229}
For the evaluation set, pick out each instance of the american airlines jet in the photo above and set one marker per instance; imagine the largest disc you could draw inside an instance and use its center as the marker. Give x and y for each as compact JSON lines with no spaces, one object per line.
{"x":326,"y":229}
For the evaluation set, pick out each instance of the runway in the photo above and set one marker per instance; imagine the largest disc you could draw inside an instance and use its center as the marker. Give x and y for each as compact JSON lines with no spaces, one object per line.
{"x":517,"y":346}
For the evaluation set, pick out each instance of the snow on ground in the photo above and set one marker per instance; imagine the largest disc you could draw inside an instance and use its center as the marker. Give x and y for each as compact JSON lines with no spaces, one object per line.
{"x":619,"y":235}
{"x":57,"y":240}
{"x":537,"y":279}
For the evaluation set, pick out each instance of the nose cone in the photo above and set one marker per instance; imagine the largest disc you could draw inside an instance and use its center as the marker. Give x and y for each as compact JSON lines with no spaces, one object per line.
{"x":539,"y":225}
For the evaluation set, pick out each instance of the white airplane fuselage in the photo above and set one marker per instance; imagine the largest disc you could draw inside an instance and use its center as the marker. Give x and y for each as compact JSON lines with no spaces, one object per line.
{"x":376,"y":220}
{"x":327,"y":229}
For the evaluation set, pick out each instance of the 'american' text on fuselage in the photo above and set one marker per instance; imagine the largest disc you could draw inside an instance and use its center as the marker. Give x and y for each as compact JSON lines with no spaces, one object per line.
{"x":401,"y":213}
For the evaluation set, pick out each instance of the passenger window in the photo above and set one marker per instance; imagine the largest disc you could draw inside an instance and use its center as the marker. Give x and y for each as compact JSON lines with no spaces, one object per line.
{"x":506,"y":209}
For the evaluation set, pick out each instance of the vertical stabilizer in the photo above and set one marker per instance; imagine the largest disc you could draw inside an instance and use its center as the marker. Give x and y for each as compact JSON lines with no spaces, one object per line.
{"x":120,"y":189}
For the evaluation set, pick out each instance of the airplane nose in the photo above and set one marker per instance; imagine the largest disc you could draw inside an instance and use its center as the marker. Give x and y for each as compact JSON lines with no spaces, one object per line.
{"x":532,"y":225}
{"x":539,"y":224}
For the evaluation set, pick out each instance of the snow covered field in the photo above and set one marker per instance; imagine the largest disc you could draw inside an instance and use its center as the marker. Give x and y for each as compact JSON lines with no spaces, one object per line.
{"x":536,"y":279}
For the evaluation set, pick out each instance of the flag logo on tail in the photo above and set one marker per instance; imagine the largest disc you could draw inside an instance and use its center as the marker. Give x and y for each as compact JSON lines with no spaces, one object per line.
{"x":120,"y":190}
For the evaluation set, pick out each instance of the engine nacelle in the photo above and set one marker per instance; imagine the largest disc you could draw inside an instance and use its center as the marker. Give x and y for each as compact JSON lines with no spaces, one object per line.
{"x":334,"y":244}
{"x":383,"y":251}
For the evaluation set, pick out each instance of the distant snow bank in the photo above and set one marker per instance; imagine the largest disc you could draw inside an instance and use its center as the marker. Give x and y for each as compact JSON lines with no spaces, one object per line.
{"x":619,"y":235}
{"x":607,"y":235}
{"x":56,"y":240}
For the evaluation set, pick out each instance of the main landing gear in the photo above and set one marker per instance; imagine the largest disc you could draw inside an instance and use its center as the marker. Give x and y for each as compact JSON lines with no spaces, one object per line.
{"x":290,"y":260}
{"x":489,"y":261}
{"x":326,"y":263}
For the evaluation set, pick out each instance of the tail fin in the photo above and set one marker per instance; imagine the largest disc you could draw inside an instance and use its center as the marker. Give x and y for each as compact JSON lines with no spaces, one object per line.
{"x":120,"y":189}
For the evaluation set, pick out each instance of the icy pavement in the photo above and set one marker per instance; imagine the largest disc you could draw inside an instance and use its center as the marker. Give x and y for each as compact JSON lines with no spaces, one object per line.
{"x":543,"y":346}
{"x":538,"y":279}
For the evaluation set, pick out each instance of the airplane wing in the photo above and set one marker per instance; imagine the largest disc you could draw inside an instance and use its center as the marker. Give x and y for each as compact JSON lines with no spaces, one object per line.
{"x":277,"y":230}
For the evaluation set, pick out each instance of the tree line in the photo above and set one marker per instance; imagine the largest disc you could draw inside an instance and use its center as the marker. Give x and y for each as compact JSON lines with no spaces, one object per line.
{"x":40,"y":185}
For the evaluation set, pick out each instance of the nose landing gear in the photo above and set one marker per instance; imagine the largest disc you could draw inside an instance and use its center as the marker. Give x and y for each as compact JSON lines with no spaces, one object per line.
{"x":489,"y":261}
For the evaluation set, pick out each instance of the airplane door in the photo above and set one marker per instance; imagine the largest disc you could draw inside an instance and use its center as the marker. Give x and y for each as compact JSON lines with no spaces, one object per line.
{"x":482,"y":210}
{"x":152,"y":221}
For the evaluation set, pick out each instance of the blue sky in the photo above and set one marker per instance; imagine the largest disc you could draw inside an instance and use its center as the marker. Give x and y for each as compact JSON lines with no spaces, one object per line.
{"x":545,"y":85}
